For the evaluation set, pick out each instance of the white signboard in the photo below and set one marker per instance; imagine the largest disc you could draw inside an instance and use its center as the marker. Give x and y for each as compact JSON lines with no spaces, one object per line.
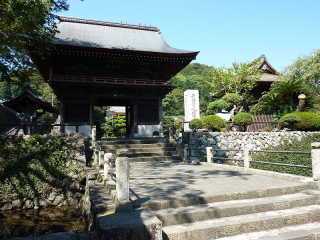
{"x":191,"y":106}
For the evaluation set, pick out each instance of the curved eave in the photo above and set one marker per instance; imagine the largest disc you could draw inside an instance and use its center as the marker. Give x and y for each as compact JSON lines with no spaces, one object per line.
{"x":265,"y":61}
{"x":26,"y":95}
{"x":124,"y":51}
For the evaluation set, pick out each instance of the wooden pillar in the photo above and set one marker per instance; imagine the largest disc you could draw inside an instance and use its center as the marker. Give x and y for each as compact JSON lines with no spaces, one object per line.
{"x":135,"y":119}
{"x":62,"y":113}
{"x":160,"y":116}
{"x":128,"y":122}
{"x":91,"y":111}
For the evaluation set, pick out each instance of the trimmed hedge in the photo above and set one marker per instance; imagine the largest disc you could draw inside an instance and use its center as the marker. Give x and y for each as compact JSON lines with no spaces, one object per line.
{"x":303,"y":145}
{"x":242,"y":120}
{"x":216,"y":106}
{"x":309,"y":121}
{"x":195,"y":123}
{"x":214,"y":123}
{"x":232,"y":98}
{"x":289,"y":120}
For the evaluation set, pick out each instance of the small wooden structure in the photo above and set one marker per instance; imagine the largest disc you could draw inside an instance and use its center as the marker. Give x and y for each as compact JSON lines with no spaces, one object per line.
{"x":27,"y":105}
{"x":99,"y":63}
{"x":271,"y":75}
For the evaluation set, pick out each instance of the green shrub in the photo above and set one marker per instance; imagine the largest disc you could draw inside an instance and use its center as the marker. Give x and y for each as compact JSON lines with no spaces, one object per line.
{"x":309,"y":121}
{"x":170,"y":121}
{"x":216,"y":106}
{"x":195,"y":123}
{"x":303,"y":145}
{"x":232,"y":98}
{"x":289,"y":121}
{"x":242,"y":120}
{"x":214,"y":123}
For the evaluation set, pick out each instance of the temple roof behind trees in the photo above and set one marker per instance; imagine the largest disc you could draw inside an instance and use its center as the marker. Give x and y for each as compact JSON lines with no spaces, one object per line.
{"x":19,"y":103}
{"x":110,"y":35}
{"x":271,"y":74}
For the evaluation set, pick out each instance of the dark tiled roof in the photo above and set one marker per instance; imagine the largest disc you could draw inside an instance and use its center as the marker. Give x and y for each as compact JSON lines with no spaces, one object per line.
{"x":110,"y":35}
{"x":17,"y":104}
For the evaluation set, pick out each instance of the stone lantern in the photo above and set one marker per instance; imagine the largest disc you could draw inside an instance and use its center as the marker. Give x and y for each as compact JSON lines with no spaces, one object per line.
{"x":302,"y":101}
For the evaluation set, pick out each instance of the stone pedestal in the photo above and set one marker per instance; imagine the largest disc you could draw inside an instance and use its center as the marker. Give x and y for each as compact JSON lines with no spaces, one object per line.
{"x":315,"y":157}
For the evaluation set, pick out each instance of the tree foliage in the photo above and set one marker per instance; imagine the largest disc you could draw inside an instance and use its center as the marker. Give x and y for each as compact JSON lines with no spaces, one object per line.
{"x":239,"y":79}
{"x":303,"y":76}
{"x":25,"y":25}
{"x":193,"y":77}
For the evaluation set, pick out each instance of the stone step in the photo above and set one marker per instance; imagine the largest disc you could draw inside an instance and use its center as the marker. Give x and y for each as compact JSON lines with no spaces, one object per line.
{"x":152,"y":154}
{"x":310,"y":231}
{"x":155,"y":159}
{"x":149,"y":146}
{"x":236,"y":225}
{"x":255,"y":194}
{"x":100,"y":198}
{"x":143,"y":150}
{"x":232,"y":208}
{"x":135,"y":141}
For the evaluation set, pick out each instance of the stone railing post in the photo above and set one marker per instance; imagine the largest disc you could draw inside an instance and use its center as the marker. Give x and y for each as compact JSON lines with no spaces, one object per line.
{"x":209,"y":155}
{"x":96,"y":157}
{"x":123,"y":203}
{"x":101,"y":158}
{"x":315,"y":157}
{"x":107,"y":169}
{"x":185,"y":152}
{"x":94,"y":136}
{"x":246,"y":157}
{"x":170,"y":133}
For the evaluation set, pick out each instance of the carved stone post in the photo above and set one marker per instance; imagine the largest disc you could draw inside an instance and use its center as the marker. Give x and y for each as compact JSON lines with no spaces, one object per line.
{"x":315,"y":157}
{"x":101,"y":158}
{"x":123,"y":203}
{"x":209,"y":155}
{"x":107,"y":165}
{"x":246,"y":157}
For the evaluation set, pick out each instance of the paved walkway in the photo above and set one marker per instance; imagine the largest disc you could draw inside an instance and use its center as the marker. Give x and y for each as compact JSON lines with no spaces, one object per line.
{"x":171,"y":181}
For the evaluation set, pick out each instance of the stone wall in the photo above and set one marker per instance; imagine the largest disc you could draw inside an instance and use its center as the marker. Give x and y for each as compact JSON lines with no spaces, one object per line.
{"x":198,"y":141}
{"x":74,"y":184}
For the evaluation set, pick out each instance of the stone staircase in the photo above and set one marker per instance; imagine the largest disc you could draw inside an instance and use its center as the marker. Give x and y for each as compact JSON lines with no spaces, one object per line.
{"x":143,"y":150}
{"x":284,"y":213}
{"x":277,"y":213}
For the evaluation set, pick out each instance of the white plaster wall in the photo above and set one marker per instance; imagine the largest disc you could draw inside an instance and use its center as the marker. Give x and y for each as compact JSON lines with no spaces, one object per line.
{"x":86,"y":129}
{"x":147,"y":130}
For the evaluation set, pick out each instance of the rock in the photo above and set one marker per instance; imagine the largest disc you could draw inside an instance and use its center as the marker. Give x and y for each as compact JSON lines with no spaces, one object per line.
{"x":44,"y":202}
{"x":16,"y":203}
{"x":6,"y":206}
{"x":75,"y":185}
{"x":72,"y":201}
{"x":28,"y":204}
{"x":58,"y":199}
{"x":52,"y":196}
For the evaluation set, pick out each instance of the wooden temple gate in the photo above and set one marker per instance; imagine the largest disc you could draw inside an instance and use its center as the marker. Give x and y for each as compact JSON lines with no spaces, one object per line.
{"x":98,"y":63}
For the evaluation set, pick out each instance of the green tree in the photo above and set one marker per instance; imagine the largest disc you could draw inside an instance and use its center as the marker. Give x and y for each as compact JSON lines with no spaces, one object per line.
{"x":37,"y":84}
{"x":22,"y":24}
{"x":173,"y":103}
{"x":303,"y":76}
{"x":241,"y":78}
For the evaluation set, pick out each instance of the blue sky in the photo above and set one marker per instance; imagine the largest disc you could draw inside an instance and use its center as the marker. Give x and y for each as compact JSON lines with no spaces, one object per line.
{"x":223,"y":31}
